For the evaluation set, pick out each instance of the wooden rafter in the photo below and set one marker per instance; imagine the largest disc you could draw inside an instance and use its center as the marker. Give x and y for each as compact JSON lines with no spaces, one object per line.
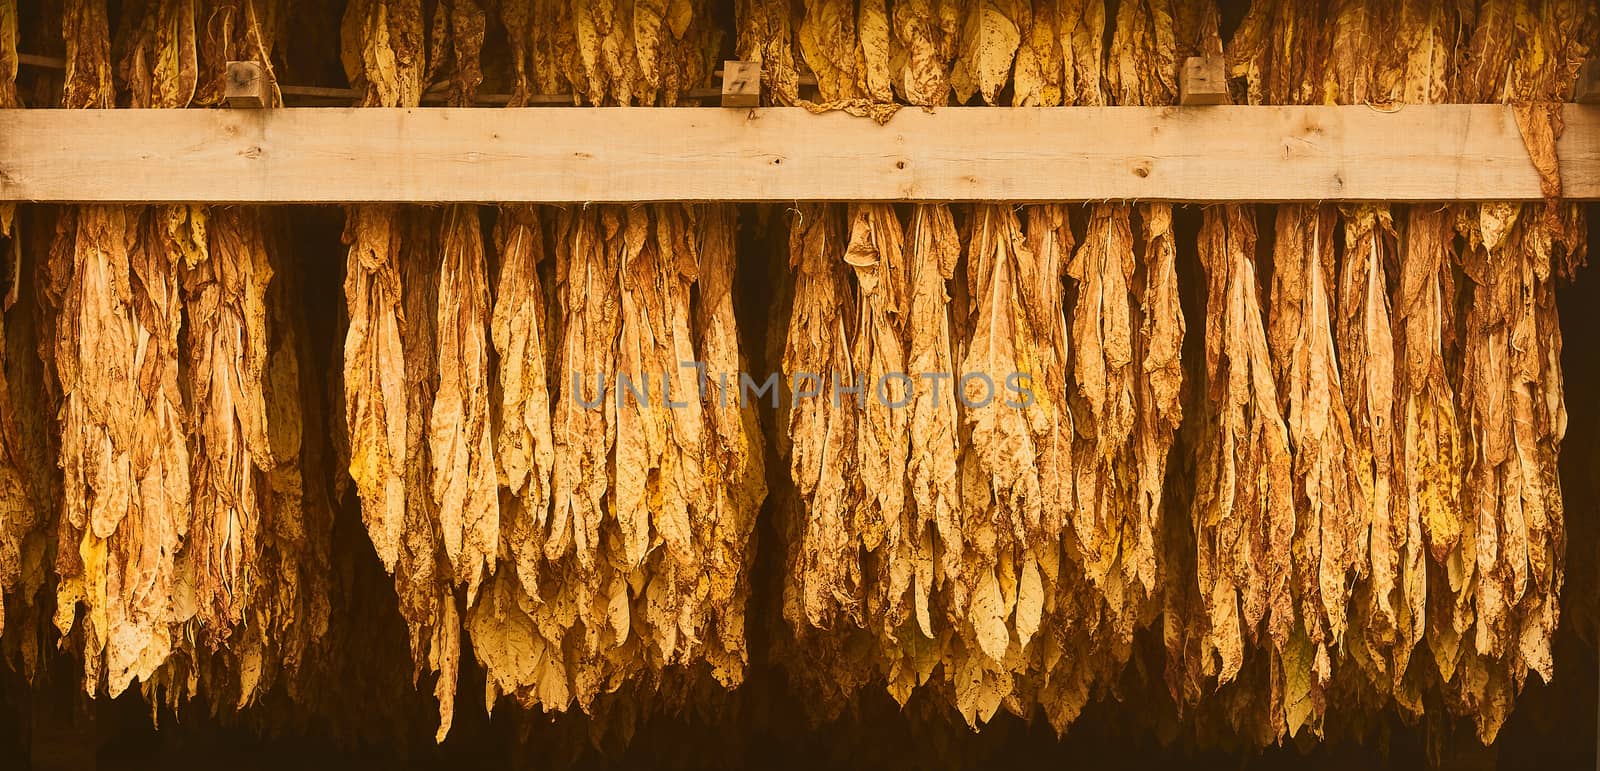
{"x":1213,"y":153}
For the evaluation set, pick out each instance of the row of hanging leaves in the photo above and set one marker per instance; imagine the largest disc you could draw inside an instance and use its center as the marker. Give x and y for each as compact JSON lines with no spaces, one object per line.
{"x":1372,"y":433}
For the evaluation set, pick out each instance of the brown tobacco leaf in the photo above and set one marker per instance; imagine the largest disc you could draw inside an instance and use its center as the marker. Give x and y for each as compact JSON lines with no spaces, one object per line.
{"x":1159,"y":375}
{"x":124,"y":459}
{"x":1001,"y":479}
{"x":224,"y":296}
{"x":1083,"y":45}
{"x":907,"y":612}
{"x":515,"y":19}
{"x":524,"y":445}
{"x":1244,"y":515}
{"x":456,"y":40}
{"x":1277,"y":52}
{"x":8,"y":61}
{"x":17,"y":514}
{"x":828,"y":39}
{"x":1416,"y":53}
{"x":460,"y":442}
{"x":416,"y":369}
{"x":891,"y":533}
{"x":382,"y":47}
{"x":766,"y":36}
{"x":990,"y":38}
{"x":390,"y":376}
{"x":375,"y":375}
{"x":24,"y":456}
{"x":1039,"y":67}
{"x":922,"y":47}
{"x":1142,"y":66}
{"x":659,"y":429}
{"x":733,"y":444}
{"x":608,"y":52}
{"x":158,"y":66}
{"x":291,"y":611}
{"x":876,"y":256}
{"x":1102,"y":334}
{"x":872,"y":27}
{"x":562,"y":578}
{"x":587,"y":264}
{"x":931,"y":350}
{"x":1329,"y":473}
{"x":1540,"y":125}
{"x":1072,"y":634}
{"x":1492,"y":605}
{"x":1431,"y":454}
{"x":999,"y":266}
{"x":822,"y":429}
{"x":1513,"y":407}
{"x":1016,"y":480}
{"x":1367,"y":359}
{"x":422,"y":569}
{"x":87,"y":35}
{"x":1353,"y":33}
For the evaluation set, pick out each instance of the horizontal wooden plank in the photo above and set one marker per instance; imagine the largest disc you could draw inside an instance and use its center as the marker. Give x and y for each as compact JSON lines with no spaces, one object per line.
{"x":1214,"y":153}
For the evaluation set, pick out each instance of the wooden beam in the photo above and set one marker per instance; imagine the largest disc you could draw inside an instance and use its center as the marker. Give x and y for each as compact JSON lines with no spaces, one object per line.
{"x":1224,"y":153}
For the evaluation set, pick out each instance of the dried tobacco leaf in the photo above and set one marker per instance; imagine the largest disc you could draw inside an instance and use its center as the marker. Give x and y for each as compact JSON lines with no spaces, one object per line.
{"x":1102,"y":332}
{"x":921,"y":48}
{"x":374,"y":375}
{"x":1159,"y":374}
{"x":733,"y":444}
{"x":1330,"y":474}
{"x":931,"y":352}
{"x":224,"y":302}
{"x":766,"y":36}
{"x":381,"y":45}
{"x":608,"y":52}
{"x":422,"y":571}
{"x":1083,"y":46}
{"x":464,"y":486}
{"x":405,"y":315}
{"x":876,"y":256}
{"x":1244,"y":515}
{"x":456,"y":41}
{"x":87,"y":35}
{"x":990,"y":38}
{"x":822,"y":428}
{"x":524,"y":445}
{"x":124,"y":458}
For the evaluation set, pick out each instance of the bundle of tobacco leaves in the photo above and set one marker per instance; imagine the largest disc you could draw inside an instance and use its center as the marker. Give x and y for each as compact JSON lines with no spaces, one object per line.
{"x":1493,"y":616}
{"x":610,"y":52}
{"x":635,"y":557}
